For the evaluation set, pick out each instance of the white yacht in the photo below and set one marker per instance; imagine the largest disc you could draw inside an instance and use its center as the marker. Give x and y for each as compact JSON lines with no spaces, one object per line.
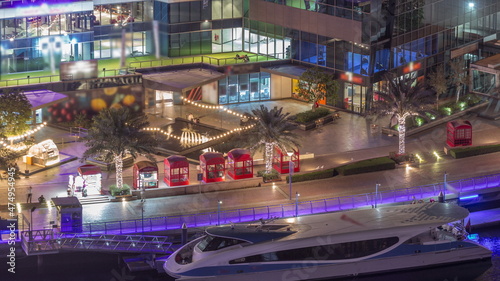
{"x":326,"y":246}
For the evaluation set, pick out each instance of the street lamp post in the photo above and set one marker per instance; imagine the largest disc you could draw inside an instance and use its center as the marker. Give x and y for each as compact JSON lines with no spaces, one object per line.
{"x":218,"y":211}
{"x":297,"y":204}
{"x":31,"y":223}
{"x":290,"y":173}
{"x":376,"y":193}
{"x":444,"y":185}
{"x":142,"y":217}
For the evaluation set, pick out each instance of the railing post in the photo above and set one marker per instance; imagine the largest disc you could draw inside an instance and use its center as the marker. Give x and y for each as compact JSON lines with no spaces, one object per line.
{"x":120,"y":227}
{"x":150,"y":224}
{"x":282,"y":211}
{"x":105,"y":228}
{"x":324,"y":200}
{"x":311,"y":207}
{"x":253,"y":209}
{"x":268,"y":213}
{"x":166,"y":223}
{"x":239,"y":215}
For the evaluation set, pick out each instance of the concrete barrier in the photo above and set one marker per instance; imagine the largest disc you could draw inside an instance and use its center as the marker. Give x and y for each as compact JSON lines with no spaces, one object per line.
{"x":200,"y":188}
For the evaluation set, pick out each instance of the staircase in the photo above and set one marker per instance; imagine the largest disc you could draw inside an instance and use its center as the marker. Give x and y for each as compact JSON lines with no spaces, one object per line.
{"x":93,"y":199}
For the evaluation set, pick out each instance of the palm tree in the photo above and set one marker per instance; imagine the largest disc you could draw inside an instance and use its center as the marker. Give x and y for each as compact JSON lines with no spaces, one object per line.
{"x":117,"y":132}
{"x":404,"y":96}
{"x":271,"y":129}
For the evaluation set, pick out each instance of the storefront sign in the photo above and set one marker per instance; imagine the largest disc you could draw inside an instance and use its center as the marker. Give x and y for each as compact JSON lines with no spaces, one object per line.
{"x":349,"y":76}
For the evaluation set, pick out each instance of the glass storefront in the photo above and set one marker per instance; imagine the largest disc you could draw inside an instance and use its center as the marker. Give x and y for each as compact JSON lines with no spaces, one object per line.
{"x":483,"y":82}
{"x":244,"y":88}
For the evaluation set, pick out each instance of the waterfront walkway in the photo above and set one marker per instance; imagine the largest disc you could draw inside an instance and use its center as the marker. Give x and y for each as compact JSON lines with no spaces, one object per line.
{"x":350,"y":138}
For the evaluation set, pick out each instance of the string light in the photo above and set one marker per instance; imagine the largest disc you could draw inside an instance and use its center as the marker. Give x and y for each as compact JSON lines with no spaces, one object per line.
{"x":19,"y":147}
{"x":217,"y":107}
{"x":29,"y":133}
{"x":223,"y":135}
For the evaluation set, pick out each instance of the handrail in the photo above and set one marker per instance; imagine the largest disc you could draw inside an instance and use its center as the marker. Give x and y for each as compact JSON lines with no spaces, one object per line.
{"x":293,"y":209}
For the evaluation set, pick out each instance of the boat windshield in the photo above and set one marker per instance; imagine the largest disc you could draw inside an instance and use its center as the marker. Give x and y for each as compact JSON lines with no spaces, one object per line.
{"x":213,"y":243}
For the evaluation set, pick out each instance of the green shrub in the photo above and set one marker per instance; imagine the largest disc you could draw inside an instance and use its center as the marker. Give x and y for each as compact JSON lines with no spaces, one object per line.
{"x":473,"y":151}
{"x":316,"y":175}
{"x":309,"y":116}
{"x":365,"y":166}
{"x":114,"y":191}
{"x":273,"y":175}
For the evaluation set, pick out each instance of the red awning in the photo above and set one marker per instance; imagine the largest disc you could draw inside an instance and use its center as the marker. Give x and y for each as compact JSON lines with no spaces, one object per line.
{"x":177,"y":161}
{"x":141,"y":165}
{"x":212,"y":158}
{"x":239,"y":154}
{"x":86,"y":170}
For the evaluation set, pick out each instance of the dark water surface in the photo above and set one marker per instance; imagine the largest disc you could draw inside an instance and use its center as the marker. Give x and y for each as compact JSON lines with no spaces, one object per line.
{"x":110,"y":267}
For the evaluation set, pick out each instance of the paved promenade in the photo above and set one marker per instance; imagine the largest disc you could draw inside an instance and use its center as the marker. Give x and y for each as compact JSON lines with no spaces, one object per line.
{"x":350,"y":138}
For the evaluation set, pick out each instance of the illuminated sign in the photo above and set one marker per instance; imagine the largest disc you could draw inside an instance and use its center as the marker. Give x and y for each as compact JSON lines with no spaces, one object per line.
{"x":46,"y":9}
{"x":348,"y":76}
{"x":412,"y":66}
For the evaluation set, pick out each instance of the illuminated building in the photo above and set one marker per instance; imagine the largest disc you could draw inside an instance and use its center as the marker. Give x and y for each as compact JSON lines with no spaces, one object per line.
{"x":356,"y":39}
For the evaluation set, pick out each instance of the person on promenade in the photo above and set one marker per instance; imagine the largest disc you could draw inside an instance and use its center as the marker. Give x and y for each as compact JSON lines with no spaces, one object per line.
{"x":30,"y":194}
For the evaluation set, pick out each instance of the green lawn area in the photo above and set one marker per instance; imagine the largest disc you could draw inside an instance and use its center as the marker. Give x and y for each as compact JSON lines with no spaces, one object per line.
{"x":113,"y":65}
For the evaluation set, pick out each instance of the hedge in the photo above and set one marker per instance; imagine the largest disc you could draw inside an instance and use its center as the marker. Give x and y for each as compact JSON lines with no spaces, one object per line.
{"x":365,"y":166}
{"x":316,"y":175}
{"x":473,"y":151}
{"x":309,"y":116}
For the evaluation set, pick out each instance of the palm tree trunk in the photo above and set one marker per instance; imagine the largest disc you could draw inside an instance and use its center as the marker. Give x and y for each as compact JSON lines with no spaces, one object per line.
{"x":402,"y":134}
{"x":269,"y":157}
{"x":119,"y":170}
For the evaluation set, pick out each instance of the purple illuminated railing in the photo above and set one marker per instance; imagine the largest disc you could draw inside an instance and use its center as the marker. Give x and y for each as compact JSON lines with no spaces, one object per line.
{"x":293,"y":209}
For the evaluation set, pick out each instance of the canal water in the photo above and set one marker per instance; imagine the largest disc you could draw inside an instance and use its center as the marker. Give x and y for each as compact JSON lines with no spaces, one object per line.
{"x":110,"y":267}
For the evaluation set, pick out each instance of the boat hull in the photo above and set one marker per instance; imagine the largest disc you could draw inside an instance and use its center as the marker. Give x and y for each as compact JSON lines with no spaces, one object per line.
{"x":312,"y":270}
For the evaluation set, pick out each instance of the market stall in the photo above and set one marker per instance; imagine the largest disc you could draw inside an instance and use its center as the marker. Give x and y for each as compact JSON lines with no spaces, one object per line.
{"x":239,"y":164}
{"x":145,"y":175}
{"x":212,"y":166}
{"x":43,"y":154}
{"x":459,"y":133}
{"x":176,"y":170}
{"x":88,"y":181}
{"x":281,"y":160}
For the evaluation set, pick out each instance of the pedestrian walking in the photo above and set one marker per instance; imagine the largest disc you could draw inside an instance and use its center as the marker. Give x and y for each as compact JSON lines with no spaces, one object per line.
{"x":30,"y":194}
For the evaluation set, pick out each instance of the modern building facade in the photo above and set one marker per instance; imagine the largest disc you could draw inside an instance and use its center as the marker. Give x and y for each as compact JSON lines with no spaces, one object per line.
{"x":358,"y":40}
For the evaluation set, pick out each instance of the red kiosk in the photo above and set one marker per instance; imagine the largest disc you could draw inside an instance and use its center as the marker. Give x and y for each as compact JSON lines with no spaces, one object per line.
{"x":212,"y":166}
{"x":281,"y":161}
{"x":176,"y":170}
{"x":145,"y":175}
{"x":459,"y":133}
{"x":88,"y":179}
{"x":239,"y":164}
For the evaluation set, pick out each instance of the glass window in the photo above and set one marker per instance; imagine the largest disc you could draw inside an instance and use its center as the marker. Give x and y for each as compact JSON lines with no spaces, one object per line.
{"x":265,"y":82}
{"x":222,"y":91}
{"x":244,"y":88}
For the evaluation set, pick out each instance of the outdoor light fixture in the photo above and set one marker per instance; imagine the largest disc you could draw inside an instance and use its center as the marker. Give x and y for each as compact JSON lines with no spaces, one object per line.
{"x":471,"y":5}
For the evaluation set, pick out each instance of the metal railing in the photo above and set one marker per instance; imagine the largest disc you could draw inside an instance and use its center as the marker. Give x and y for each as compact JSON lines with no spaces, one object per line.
{"x":56,"y":78}
{"x":293,"y":209}
{"x":49,"y":241}
{"x":200,"y":59}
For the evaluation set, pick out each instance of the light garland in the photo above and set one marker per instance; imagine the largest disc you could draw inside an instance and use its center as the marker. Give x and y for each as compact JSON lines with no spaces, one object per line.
{"x":217,"y":107}
{"x":29,"y":133}
{"x":14,"y":138}
{"x":159,"y":130}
